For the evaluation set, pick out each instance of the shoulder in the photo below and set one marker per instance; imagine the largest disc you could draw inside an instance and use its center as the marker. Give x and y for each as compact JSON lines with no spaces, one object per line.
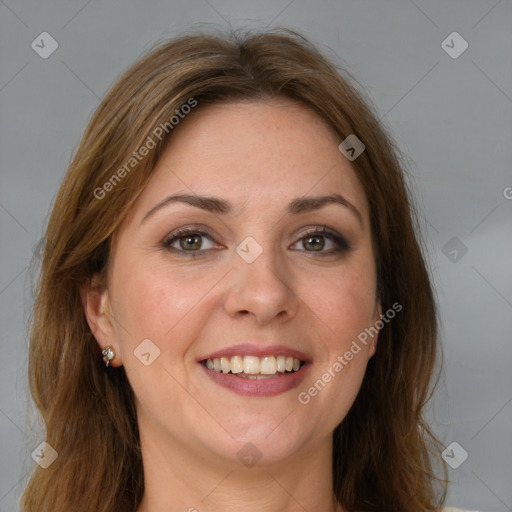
{"x":453,"y":509}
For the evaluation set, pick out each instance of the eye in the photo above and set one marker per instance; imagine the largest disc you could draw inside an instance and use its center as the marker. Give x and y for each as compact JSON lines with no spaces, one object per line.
{"x":323,"y":238}
{"x":323,"y":241}
{"x":188,"y":240}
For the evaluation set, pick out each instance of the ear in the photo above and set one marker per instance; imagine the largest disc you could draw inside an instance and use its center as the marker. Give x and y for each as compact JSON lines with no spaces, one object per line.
{"x":98,"y":312}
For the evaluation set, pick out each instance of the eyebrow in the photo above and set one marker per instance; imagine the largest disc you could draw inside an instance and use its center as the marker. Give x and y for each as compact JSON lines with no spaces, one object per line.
{"x":222,"y":207}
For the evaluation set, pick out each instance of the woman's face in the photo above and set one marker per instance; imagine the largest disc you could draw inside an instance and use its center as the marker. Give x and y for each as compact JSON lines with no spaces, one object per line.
{"x":266,"y":269}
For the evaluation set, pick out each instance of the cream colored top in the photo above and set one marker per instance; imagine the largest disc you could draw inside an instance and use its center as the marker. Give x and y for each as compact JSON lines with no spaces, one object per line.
{"x":453,"y":509}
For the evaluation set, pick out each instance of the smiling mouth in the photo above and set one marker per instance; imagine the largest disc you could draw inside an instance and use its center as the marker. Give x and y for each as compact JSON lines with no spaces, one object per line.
{"x":253,"y":367}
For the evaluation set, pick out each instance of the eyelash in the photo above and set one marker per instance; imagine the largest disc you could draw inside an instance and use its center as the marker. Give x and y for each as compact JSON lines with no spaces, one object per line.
{"x":339,"y":240}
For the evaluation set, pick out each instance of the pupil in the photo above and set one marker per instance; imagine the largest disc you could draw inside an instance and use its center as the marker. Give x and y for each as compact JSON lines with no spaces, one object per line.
{"x":315,"y":242}
{"x":191,"y":242}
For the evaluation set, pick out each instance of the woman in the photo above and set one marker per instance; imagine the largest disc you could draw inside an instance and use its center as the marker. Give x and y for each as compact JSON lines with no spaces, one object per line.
{"x":233,"y":311}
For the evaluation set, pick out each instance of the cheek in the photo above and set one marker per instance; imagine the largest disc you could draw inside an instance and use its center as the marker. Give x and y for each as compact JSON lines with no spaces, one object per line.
{"x":151,"y":301}
{"x":168,"y":307}
{"x":344,"y":302}
{"x":342,"y":307}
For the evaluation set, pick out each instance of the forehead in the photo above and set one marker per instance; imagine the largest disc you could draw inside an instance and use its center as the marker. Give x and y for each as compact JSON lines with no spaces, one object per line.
{"x":254,"y":153}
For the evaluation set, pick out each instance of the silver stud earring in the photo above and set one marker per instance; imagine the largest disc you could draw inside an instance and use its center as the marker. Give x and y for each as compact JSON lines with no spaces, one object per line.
{"x":108,"y":355}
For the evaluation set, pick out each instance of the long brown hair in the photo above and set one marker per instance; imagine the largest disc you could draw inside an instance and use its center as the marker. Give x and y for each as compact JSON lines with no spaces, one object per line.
{"x":382,"y":450}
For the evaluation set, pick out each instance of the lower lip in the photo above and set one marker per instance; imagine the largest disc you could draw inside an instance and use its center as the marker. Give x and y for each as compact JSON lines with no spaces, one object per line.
{"x":258,"y":387}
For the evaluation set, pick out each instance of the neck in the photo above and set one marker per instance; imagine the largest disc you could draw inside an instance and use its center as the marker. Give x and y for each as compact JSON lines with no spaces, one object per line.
{"x":177,"y":479}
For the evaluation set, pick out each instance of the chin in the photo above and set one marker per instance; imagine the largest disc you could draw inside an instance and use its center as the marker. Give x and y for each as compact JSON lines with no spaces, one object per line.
{"x":264,"y":442}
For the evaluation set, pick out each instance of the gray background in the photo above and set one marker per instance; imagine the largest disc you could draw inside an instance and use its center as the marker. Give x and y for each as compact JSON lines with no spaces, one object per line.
{"x":452,"y":117}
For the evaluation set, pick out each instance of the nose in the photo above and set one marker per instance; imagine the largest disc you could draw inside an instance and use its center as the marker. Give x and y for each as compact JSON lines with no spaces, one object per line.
{"x":262,"y":290}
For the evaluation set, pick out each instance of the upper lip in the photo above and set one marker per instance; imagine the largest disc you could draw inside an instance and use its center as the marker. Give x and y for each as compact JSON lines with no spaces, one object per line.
{"x":248,"y":349}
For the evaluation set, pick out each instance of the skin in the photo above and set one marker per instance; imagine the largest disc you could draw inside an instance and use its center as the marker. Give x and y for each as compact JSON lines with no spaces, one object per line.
{"x":259,"y":156}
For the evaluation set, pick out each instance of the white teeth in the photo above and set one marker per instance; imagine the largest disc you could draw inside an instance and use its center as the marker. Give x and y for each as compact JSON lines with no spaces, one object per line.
{"x":268,"y":365}
{"x":225,"y":365}
{"x":251,"y":365}
{"x":257,"y":377}
{"x":254,"y":367}
{"x":237,"y":364}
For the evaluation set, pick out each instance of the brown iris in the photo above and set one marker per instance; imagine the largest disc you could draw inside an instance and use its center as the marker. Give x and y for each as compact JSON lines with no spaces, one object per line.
{"x":189,"y":242}
{"x":316,"y":243}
